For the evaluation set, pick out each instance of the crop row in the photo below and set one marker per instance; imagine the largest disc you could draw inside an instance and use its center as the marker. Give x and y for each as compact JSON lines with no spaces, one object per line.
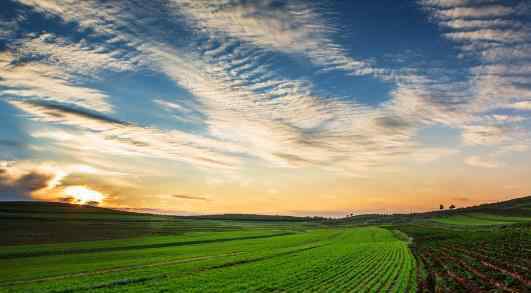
{"x":474,"y":260}
{"x":336,"y":260}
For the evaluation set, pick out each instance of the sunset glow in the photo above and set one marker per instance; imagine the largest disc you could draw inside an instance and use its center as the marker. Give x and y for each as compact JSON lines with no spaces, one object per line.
{"x":83,"y":195}
{"x":292,"y":107}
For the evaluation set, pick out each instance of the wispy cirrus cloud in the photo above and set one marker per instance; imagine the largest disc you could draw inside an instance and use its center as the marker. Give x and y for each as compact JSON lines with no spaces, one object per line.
{"x":251,"y":111}
{"x":106,"y":135}
{"x":288,"y":126}
{"x":47,"y":82}
{"x":81,"y":58}
{"x":480,"y":11}
{"x":292,"y":27}
{"x":485,"y":34}
{"x":147,"y":93}
{"x":490,"y":33}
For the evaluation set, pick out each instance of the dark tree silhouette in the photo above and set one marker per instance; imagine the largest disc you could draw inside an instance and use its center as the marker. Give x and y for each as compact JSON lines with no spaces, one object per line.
{"x":441,"y":207}
{"x":452,"y":207}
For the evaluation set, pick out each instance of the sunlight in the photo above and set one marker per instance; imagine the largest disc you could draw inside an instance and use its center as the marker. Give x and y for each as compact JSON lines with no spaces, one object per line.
{"x":83,"y":194}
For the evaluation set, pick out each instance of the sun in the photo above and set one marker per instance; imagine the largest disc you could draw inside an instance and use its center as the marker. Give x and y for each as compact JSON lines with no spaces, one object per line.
{"x":83,"y":195}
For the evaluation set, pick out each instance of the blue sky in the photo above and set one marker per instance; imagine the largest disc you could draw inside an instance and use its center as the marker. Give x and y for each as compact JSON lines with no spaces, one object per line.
{"x":238,"y":101}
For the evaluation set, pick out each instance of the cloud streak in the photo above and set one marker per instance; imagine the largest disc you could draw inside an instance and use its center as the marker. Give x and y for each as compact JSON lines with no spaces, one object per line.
{"x":190,"y":197}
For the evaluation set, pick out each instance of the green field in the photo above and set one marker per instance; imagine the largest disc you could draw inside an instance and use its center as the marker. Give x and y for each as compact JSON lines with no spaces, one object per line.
{"x":481,"y":220}
{"x":41,"y":223}
{"x":355,"y":259}
{"x":50,"y":247}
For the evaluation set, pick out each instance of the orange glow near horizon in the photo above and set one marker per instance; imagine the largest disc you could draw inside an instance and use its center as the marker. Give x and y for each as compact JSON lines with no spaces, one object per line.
{"x":83,"y":194}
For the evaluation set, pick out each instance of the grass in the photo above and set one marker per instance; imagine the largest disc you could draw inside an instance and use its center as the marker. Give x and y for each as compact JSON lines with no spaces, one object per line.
{"x":42,"y":223}
{"x":355,"y":259}
{"x":478,"y":219}
{"x":61,"y":248}
{"x":501,"y":218}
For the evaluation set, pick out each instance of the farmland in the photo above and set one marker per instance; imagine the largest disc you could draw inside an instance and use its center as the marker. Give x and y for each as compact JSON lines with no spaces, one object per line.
{"x":41,"y":223}
{"x":485,"y":248}
{"x":480,"y":220}
{"x":471,"y":256}
{"x":355,"y":259}
{"x":50,"y":247}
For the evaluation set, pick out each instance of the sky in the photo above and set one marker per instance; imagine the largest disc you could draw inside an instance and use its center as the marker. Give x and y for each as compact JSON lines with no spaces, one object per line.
{"x":277,"y":107}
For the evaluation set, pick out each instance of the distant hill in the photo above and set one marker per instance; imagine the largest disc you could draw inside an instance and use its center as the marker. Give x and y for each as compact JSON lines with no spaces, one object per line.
{"x":48,"y":209}
{"x":38,"y":207}
{"x":33,"y":222}
{"x":43,"y":222}
{"x":514,"y":207}
{"x":256,"y":217}
{"x":518,"y":207}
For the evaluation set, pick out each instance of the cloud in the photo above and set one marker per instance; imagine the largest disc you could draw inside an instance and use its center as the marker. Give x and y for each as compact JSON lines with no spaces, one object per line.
{"x":426,"y":155}
{"x":67,"y":115}
{"x":453,"y":3}
{"x":272,"y":125}
{"x":393,"y":123}
{"x":21,"y":187}
{"x":474,"y":12}
{"x":489,"y":35}
{"x":477,"y":24}
{"x":251,"y":112}
{"x":248,"y":110}
{"x":482,"y":162}
{"x":523,"y":105}
{"x":462,"y":199}
{"x":508,"y":118}
{"x":80,"y":58}
{"x":516,"y":148}
{"x":479,"y":134}
{"x":185,"y":111}
{"x":497,"y":39}
{"x":292,"y":27}
{"x":172,"y":106}
{"x":47,"y":82}
{"x":157,"y":211}
{"x":105,"y":135}
{"x":191,"y":197}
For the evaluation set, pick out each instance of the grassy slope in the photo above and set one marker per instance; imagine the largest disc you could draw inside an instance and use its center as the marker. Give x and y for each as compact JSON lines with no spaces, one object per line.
{"x":507,"y":212}
{"x":479,"y":219}
{"x":227,"y":252}
{"x":41,"y":222}
{"x":318,"y":259}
